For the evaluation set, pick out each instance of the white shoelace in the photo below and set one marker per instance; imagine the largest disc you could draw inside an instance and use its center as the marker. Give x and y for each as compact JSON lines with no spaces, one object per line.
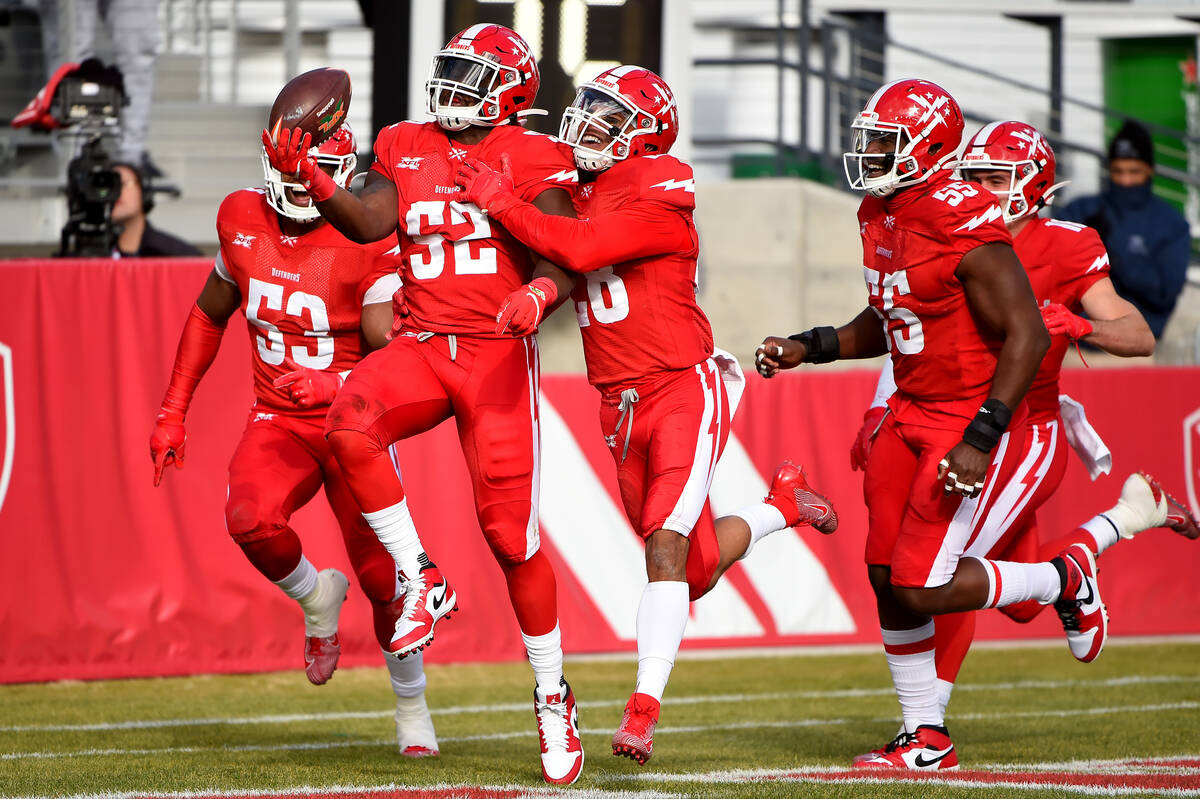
{"x":412,"y":593}
{"x":553,"y":718}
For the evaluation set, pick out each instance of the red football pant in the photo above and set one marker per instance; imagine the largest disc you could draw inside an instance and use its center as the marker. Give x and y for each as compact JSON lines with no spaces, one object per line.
{"x":1007,"y":530}
{"x":680,"y":426}
{"x":914,"y":526}
{"x":490,"y":388}
{"x":278,"y":466}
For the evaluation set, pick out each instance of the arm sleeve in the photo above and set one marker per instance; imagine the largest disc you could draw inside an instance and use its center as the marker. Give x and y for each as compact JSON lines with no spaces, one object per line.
{"x":639,"y":230}
{"x":198,"y":347}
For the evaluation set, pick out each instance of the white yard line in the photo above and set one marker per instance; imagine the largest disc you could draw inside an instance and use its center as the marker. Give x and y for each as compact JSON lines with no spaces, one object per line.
{"x":529,"y":733}
{"x":522,"y":707}
{"x":319,"y":790}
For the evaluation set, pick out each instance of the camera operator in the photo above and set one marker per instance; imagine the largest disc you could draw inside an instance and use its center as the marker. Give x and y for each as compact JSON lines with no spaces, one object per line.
{"x":137,"y":237}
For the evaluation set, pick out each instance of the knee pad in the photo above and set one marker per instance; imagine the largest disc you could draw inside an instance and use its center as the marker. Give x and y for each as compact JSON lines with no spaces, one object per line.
{"x":247,"y":521}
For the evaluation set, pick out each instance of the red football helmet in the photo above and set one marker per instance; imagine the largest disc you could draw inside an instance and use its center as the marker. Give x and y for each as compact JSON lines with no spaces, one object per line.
{"x":1024,"y":153}
{"x":925,"y":125}
{"x":336,"y":155}
{"x":624,"y":111}
{"x":485,"y":75}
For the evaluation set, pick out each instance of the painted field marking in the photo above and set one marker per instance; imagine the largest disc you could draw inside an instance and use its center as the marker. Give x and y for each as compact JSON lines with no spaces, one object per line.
{"x":502,"y":736}
{"x":441,"y":790}
{"x":1125,"y":783}
{"x":523,"y":707}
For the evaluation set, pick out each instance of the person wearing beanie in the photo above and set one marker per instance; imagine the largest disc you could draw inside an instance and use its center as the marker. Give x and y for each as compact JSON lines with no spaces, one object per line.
{"x":138,"y":238}
{"x":1147,"y":239}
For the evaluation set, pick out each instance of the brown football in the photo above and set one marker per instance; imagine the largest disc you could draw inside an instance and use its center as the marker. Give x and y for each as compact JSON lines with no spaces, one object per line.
{"x":316,"y":102}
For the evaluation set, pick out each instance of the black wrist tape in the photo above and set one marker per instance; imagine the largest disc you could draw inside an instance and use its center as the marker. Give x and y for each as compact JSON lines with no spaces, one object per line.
{"x":984,"y":431}
{"x":822,"y":344}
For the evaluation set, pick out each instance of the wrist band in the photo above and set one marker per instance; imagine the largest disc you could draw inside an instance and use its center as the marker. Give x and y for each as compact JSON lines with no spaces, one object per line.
{"x":822,"y":344}
{"x":989,"y":424}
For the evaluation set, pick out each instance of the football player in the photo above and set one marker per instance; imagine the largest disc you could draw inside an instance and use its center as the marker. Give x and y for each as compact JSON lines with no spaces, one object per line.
{"x":1068,"y":269}
{"x":667,"y":397}
{"x":966,"y":338}
{"x":313,"y":302}
{"x":459,"y":267}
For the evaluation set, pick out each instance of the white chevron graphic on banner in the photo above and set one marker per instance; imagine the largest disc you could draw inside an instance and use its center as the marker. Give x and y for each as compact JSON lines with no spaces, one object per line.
{"x":592,"y":534}
{"x":788,"y":576}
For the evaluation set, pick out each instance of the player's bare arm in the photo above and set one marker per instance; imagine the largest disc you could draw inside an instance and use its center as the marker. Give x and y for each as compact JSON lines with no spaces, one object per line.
{"x":371,"y":215}
{"x":1113,"y":323}
{"x":861,"y":337}
{"x":999,"y":294}
{"x":368,"y":216}
{"x":377,"y":324}
{"x":219,"y":298}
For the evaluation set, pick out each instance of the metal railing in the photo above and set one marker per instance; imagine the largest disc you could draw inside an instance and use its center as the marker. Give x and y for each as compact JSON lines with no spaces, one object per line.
{"x":843,"y":54}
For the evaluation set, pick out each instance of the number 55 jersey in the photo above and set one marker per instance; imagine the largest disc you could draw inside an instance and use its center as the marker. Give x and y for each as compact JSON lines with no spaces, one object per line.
{"x":302,"y":295}
{"x":913,"y":242}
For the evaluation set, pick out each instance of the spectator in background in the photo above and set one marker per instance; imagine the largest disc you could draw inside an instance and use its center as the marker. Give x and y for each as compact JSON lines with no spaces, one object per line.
{"x":133,"y":28}
{"x":1147,"y":239}
{"x":138,"y":238}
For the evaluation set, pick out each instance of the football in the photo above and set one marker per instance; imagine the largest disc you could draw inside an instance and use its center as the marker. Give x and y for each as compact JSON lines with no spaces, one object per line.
{"x":316,"y":101}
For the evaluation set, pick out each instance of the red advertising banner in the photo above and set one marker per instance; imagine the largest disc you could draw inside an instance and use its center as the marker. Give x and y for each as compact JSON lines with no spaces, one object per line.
{"x":107,"y":576}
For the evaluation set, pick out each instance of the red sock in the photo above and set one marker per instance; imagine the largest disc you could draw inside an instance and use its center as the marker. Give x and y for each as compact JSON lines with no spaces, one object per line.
{"x":952,"y":636}
{"x":276,"y":556}
{"x":533,"y":592}
{"x":1079,"y":535}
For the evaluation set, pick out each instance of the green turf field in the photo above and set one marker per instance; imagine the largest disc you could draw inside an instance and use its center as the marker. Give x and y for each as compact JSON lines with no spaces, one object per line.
{"x":1128,"y":724}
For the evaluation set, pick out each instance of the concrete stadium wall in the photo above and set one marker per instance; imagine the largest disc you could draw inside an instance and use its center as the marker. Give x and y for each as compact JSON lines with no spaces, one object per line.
{"x":776,"y":256}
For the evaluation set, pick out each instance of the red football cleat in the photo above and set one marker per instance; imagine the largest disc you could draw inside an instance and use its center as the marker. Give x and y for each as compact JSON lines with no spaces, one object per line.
{"x":799,"y":504}
{"x":558,"y":732}
{"x":428,"y":598}
{"x":1084,"y":617}
{"x":321,"y":658}
{"x":874,"y":753}
{"x":927,"y":749}
{"x":635,"y":737}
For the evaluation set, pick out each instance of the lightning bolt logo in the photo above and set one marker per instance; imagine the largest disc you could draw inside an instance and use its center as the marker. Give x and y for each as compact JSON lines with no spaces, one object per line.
{"x":990,"y":215}
{"x":688,"y":185}
{"x":565,"y":176}
{"x":1098,"y":264}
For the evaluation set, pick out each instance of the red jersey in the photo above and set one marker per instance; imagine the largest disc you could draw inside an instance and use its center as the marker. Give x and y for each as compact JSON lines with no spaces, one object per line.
{"x":1063,"y":260}
{"x":636,"y":245}
{"x":458,"y":265}
{"x":913,"y":242}
{"x":302,"y":295}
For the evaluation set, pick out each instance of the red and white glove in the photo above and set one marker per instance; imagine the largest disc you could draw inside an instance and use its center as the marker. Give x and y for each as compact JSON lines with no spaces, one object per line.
{"x":523,"y":310}
{"x":484,"y":186}
{"x":1061,"y":322}
{"x":860,"y":450}
{"x":310,"y":388}
{"x":166,"y":442}
{"x":400,"y":313}
{"x":290,"y":155}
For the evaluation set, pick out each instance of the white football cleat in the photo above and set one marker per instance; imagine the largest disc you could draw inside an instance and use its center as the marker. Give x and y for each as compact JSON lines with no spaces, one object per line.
{"x":428,"y":598}
{"x":1083,"y":615}
{"x":414,"y":727}
{"x":321,"y":646}
{"x":558,"y":732}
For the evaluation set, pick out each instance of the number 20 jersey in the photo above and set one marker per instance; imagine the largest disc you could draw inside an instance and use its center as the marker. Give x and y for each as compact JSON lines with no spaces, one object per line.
{"x":458,"y":265}
{"x":302,"y":295}
{"x":913,"y":242}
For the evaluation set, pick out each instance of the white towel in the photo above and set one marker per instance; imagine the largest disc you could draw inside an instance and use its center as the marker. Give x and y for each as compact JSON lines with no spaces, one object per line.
{"x":1083,"y":438}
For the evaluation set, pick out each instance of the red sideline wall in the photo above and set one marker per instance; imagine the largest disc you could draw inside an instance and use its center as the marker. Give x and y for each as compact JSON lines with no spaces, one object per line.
{"x":106,"y":576}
